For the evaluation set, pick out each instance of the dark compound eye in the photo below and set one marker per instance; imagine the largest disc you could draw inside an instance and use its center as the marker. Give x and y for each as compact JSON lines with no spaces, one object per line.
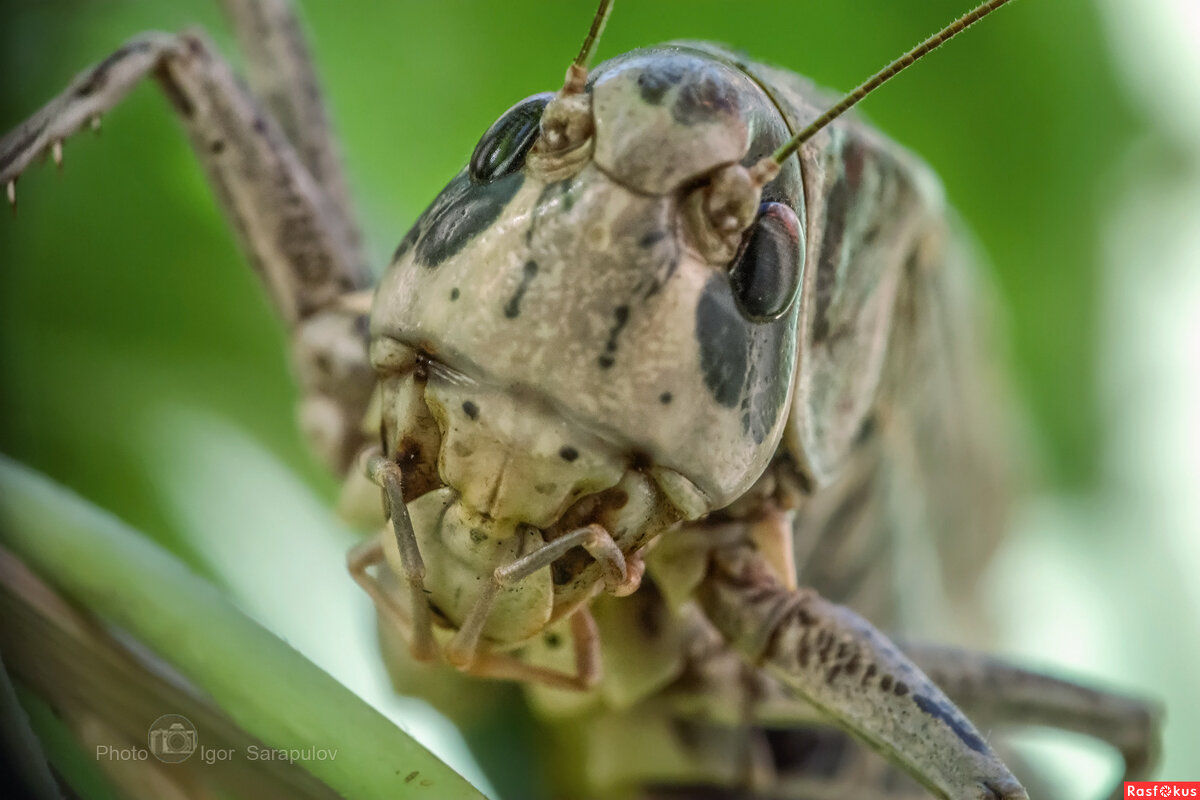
{"x":503,"y":148}
{"x":766,"y":275}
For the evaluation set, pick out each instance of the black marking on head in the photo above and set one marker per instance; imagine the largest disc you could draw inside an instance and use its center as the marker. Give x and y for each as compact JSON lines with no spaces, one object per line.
{"x":869,"y":673}
{"x":216,"y":146}
{"x":552,"y":640}
{"x":458,"y":214}
{"x":657,"y":78}
{"x":703,"y":99}
{"x":900,"y":689}
{"x":665,"y":398}
{"x":512,"y":309}
{"x":478,"y":536}
{"x":568,"y":453}
{"x":470,"y":409}
{"x":454,"y":294}
{"x":746,"y":365}
{"x":885,"y":683}
{"x":832,"y":247}
{"x":961,"y":728}
{"x":833,"y":672}
{"x":621,"y":313}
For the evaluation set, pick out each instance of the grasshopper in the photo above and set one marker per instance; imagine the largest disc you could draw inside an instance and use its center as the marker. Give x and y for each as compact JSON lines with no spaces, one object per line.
{"x":673,"y":341}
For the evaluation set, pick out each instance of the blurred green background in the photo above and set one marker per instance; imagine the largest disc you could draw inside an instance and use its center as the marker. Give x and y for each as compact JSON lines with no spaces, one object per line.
{"x":121,"y":292}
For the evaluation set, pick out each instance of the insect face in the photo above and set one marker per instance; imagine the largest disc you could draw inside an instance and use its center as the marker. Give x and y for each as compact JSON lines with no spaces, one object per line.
{"x":573,"y":329}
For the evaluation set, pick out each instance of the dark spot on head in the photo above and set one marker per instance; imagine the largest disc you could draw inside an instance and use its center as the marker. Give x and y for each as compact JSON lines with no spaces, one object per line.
{"x":568,"y":453}
{"x":954,"y":720}
{"x":454,"y":294}
{"x":552,"y":640}
{"x":657,"y":78}
{"x":833,"y":672}
{"x":869,"y":673}
{"x":512,"y":309}
{"x":260,"y":125}
{"x":885,"y":683}
{"x":852,"y":665}
{"x":410,"y":777}
{"x":605,"y":361}
{"x":470,"y":409}
{"x":832,"y":248}
{"x":665,"y":398}
{"x":460,"y":213}
{"x":745,"y":364}
{"x":704,"y":98}
{"x":900,"y":689}
{"x":477,"y":535}
{"x":216,"y":146}
{"x":621,"y":315}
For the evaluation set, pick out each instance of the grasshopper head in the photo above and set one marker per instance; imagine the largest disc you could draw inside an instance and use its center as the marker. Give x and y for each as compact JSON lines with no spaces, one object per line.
{"x":564,"y":276}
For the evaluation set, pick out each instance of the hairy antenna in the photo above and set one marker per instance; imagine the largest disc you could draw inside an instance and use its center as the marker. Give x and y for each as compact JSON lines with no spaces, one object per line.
{"x":874,"y":82}
{"x":577,"y":72}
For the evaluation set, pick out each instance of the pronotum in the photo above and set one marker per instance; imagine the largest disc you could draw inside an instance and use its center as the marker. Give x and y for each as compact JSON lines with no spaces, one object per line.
{"x":503,"y":442}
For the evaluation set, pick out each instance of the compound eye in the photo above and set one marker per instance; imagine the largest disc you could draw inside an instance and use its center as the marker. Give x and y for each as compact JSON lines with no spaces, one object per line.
{"x":765,"y":276}
{"x":503,"y":148}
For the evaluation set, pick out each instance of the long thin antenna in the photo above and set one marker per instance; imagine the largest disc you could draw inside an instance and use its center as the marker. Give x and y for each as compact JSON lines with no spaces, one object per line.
{"x":577,"y":72}
{"x":885,"y":74}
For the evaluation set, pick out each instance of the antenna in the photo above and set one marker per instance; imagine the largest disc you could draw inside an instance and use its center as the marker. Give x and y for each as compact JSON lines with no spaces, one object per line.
{"x":577,"y":72}
{"x":874,"y":82}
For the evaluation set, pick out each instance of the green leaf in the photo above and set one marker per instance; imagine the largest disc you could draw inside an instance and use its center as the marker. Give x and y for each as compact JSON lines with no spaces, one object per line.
{"x":265,"y":686}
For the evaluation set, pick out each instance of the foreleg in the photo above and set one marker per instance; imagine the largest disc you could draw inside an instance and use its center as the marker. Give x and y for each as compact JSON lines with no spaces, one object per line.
{"x":287,"y":226}
{"x":842,"y":665}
